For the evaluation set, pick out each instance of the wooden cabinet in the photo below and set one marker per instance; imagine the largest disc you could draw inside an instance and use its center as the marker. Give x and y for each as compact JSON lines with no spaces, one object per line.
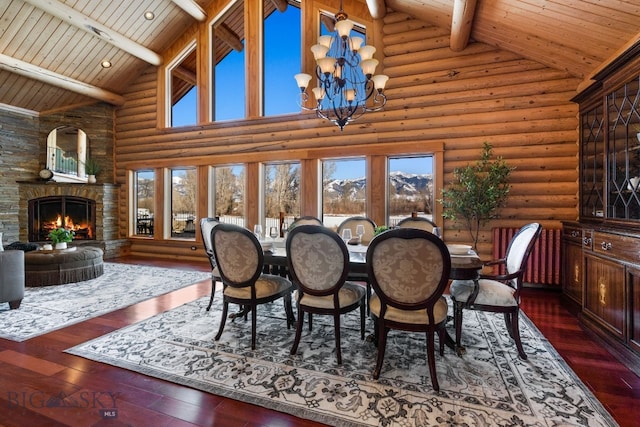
{"x":633,"y":286}
{"x":601,"y":275}
{"x":601,"y":251}
{"x":604,"y":298}
{"x":572,"y":283}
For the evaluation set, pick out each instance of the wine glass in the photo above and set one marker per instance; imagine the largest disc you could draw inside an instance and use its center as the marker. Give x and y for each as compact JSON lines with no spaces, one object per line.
{"x":346,"y":235}
{"x":273,"y":232}
{"x":257,"y":231}
{"x":360,"y":232}
{"x":285,"y":229}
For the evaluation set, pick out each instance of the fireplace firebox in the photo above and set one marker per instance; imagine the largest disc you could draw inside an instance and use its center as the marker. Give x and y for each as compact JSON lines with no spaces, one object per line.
{"x":74,"y":213}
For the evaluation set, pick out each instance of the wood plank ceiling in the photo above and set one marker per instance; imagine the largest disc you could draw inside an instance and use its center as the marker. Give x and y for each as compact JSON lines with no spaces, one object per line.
{"x":51,"y":51}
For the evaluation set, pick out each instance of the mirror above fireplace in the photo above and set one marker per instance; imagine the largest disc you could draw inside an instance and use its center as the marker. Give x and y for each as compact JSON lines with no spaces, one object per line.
{"x":67,"y":153}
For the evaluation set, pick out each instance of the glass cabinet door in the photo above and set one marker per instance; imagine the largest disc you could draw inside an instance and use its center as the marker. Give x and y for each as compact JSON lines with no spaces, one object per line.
{"x":592,"y":163}
{"x":623,"y":152}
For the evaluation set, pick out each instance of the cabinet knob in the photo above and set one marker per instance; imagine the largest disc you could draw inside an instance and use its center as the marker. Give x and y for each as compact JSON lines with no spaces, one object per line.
{"x":575,"y":233}
{"x":587,"y":241}
{"x":606,"y":246}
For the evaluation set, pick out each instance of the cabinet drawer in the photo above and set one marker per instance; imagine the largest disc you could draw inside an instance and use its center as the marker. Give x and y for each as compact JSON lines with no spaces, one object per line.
{"x":572,"y":234}
{"x":623,"y":248}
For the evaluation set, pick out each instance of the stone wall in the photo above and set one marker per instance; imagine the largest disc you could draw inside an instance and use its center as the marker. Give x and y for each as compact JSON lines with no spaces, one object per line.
{"x":23,"y":142}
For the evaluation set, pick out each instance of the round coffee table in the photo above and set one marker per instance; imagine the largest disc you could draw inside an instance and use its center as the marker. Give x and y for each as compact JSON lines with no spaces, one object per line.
{"x":57,"y":267}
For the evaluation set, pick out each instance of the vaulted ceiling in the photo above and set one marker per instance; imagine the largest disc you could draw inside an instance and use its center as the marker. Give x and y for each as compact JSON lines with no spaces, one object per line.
{"x":51,"y":50}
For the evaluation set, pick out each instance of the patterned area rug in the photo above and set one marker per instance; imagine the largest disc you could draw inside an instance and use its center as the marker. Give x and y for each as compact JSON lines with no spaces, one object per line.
{"x":489,"y":386}
{"x":48,"y":308}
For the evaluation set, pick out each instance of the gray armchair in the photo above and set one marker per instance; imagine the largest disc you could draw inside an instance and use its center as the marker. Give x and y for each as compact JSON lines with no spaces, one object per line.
{"x":12,"y":278}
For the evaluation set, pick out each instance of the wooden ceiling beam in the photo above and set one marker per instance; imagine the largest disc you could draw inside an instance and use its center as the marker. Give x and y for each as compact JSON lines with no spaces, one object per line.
{"x":46,"y":76}
{"x":192,"y":8}
{"x":83,"y":22}
{"x":224,"y":33}
{"x":461,"y":22}
{"x":377,"y":8}
{"x":281,"y":5}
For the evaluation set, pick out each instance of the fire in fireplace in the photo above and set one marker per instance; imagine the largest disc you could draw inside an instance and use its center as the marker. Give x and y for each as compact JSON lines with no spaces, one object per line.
{"x":74,"y":213}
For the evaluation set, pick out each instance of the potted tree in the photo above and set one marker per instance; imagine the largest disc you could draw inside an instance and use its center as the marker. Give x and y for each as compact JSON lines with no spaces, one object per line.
{"x":60,"y":237}
{"x":477,"y":192}
{"x":91,"y":168}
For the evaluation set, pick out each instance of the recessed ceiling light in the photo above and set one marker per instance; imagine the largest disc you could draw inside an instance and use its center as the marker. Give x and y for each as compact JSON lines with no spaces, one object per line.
{"x":106,"y":64}
{"x":148,"y":15}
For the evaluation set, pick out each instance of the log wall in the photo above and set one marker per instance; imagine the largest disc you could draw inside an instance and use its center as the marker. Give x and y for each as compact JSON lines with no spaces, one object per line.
{"x":438,"y":99}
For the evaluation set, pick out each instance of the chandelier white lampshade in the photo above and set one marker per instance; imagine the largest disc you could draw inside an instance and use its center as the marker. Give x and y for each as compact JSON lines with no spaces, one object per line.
{"x":345,"y":73}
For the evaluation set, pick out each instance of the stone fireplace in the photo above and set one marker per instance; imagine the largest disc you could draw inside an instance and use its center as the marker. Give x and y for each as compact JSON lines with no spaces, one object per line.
{"x":77,"y":214}
{"x":94,"y":206}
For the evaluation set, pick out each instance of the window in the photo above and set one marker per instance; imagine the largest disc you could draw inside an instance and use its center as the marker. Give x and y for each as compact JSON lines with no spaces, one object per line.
{"x":182,"y":84}
{"x":228,"y":185}
{"x":228,"y":61}
{"x":281,"y":194}
{"x":183,"y":203}
{"x":281,"y":59}
{"x":343,"y":190}
{"x":410,"y":187}
{"x":143,"y":202}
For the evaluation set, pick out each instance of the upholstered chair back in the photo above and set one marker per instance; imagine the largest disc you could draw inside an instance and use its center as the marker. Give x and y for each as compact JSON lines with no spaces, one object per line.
{"x":206,"y":225}
{"x":408,"y":268}
{"x":419,"y":222}
{"x":353,"y":222}
{"x":238,"y":254}
{"x":519,"y":249}
{"x":306,"y":220}
{"x":318,"y":261}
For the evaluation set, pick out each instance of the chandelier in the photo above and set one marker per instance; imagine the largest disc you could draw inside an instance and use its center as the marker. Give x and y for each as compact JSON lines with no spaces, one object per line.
{"x":345,"y":72}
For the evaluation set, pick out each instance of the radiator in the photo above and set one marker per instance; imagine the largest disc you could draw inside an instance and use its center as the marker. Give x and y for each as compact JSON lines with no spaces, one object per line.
{"x":543,"y":266}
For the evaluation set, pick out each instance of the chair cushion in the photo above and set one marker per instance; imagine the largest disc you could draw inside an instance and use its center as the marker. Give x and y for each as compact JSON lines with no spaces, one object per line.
{"x":491,"y":292}
{"x":349,"y":294}
{"x":410,"y":316}
{"x":267,"y":285}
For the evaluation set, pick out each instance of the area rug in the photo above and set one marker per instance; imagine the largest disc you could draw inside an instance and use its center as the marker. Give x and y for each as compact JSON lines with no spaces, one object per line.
{"x":488,"y":386}
{"x":48,"y":308}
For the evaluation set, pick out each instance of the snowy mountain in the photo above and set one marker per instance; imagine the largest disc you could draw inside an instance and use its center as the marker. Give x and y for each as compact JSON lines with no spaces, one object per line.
{"x":402,"y":184}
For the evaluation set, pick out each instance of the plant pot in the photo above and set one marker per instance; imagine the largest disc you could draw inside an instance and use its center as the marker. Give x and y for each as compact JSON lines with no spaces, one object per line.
{"x":91,"y":179}
{"x":61,"y":245}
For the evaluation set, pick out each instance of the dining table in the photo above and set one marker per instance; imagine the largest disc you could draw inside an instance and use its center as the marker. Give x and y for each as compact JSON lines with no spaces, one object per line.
{"x":466,"y":266}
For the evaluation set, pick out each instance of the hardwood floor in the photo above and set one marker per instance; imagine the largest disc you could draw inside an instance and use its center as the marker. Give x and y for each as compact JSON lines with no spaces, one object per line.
{"x":36,"y":369}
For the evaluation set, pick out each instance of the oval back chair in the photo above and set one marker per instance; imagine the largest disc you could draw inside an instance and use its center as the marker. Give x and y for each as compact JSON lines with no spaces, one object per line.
{"x":409,"y":270}
{"x":498,"y":293}
{"x":419,"y":222}
{"x":206,"y":225}
{"x":240,"y":261}
{"x":318,"y":264}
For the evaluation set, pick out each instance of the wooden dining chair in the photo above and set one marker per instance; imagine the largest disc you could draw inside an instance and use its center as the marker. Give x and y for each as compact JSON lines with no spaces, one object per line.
{"x":498,"y":293}
{"x":304,"y":220}
{"x":318,"y":264}
{"x":419,"y":222}
{"x":353,"y":222}
{"x":206,"y":225}
{"x":409,"y":270}
{"x":240,"y":261}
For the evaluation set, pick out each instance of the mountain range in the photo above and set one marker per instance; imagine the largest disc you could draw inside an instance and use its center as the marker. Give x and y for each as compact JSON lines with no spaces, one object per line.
{"x":401,"y":183}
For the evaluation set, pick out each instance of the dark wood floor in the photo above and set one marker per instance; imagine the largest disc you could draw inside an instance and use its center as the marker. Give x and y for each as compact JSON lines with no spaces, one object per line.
{"x":34,"y":370}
